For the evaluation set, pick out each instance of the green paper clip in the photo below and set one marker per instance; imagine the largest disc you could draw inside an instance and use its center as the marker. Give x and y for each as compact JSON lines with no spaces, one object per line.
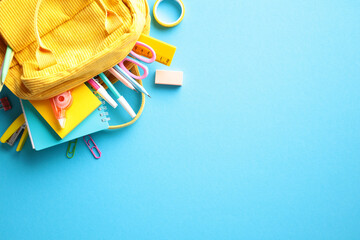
{"x":70,"y":152}
{"x":9,"y":55}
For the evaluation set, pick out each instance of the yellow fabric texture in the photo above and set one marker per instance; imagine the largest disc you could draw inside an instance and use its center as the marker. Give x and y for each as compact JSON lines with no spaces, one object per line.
{"x":59,"y":45}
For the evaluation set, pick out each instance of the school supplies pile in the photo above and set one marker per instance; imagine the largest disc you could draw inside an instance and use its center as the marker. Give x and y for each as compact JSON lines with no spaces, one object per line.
{"x":60,"y":73}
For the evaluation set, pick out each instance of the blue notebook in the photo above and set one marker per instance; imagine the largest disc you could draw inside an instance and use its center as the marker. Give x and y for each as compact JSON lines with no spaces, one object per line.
{"x":43,"y":136}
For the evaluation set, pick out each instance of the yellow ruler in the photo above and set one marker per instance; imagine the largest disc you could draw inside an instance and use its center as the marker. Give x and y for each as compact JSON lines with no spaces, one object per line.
{"x":164,"y":51}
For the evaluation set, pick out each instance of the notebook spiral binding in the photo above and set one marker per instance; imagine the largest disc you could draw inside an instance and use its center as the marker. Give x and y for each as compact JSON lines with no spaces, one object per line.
{"x":102,"y":109}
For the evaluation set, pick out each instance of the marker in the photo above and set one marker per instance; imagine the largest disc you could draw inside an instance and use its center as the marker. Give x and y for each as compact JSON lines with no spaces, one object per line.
{"x":131,"y":80}
{"x":9,"y":55}
{"x":59,"y":105}
{"x":121,"y":78}
{"x":120,"y":98}
{"x":102,"y":92}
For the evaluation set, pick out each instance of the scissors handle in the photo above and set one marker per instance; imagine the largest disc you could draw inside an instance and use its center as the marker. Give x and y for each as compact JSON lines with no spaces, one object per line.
{"x":144,"y":68}
{"x":141,"y":58}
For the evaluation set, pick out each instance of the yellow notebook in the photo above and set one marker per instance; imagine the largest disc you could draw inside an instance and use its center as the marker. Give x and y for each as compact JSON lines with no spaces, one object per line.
{"x":84,"y":103}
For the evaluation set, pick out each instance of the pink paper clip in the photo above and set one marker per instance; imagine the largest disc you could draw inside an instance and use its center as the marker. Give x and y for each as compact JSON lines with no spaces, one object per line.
{"x":91,"y":145}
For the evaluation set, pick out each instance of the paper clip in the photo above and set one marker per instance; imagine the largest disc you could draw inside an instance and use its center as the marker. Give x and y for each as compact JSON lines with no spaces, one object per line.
{"x":70,"y":152}
{"x":91,"y":145}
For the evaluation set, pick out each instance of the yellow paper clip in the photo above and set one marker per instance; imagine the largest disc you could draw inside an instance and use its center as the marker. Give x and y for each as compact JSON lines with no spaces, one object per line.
{"x":13,"y":132}
{"x":70,"y":152}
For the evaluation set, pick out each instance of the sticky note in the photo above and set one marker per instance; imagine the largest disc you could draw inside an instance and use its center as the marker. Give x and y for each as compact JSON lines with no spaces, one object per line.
{"x":84,"y":103}
{"x":164,"y":77}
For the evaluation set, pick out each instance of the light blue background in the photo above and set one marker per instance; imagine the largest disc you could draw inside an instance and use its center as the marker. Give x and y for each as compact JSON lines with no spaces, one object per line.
{"x":261,"y":142}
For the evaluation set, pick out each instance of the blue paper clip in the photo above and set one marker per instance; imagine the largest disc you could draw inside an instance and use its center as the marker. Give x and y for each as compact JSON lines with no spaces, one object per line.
{"x":91,"y":145}
{"x":70,"y":152}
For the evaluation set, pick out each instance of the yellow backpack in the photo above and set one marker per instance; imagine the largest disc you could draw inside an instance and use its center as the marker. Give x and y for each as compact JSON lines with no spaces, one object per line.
{"x":60,"y":44}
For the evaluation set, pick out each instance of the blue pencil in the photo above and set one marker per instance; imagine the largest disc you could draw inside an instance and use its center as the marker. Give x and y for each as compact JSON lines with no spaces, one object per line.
{"x":131,"y":80}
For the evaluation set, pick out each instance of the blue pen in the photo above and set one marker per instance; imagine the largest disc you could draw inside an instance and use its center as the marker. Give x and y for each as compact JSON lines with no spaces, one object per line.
{"x":120,"y":98}
{"x":131,"y":80}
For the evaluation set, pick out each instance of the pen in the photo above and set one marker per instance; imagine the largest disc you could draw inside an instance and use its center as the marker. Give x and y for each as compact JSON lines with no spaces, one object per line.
{"x":102,"y":92}
{"x":6,"y":65}
{"x":131,"y":80}
{"x":120,"y":98}
{"x":121,"y":78}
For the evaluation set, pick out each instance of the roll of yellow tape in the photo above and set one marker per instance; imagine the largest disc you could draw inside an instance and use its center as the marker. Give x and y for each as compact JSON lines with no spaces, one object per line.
{"x":171,"y":24}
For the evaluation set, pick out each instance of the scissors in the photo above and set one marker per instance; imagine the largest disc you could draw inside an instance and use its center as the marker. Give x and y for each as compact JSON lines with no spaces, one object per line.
{"x":136,"y":62}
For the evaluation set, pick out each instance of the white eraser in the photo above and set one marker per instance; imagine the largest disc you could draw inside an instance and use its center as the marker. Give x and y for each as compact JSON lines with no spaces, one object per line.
{"x":164,"y":77}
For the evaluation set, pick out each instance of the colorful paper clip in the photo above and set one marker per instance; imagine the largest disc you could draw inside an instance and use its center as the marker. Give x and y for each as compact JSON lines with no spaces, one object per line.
{"x":91,"y":145}
{"x":5,"y":104}
{"x":70,"y":152}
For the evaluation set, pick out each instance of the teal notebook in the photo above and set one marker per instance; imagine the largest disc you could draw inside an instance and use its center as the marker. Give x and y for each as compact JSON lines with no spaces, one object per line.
{"x":43,"y":136}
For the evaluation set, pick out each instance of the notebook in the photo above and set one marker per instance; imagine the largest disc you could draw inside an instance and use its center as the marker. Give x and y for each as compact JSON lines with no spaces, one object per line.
{"x":42,"y":135}
{"x":84,"y":103}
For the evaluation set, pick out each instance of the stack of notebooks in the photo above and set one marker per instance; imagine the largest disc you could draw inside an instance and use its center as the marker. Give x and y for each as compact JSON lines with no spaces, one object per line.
{"x":85,"y":116}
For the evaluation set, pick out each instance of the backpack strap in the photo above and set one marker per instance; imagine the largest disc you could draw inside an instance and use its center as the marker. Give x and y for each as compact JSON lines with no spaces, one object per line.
{"x":45,"y":57}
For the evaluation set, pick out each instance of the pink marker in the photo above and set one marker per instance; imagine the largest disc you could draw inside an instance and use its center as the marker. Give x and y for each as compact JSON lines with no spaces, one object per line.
{"x":102,"y":92}
{"x":121,"y":78}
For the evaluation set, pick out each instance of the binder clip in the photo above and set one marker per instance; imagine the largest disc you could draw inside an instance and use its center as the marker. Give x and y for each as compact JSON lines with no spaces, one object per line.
{"x":13,"y":132}
{"x":5,"y":104}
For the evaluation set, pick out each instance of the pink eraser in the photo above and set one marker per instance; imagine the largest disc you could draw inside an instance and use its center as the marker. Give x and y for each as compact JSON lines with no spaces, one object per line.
{"x":169,"y":77}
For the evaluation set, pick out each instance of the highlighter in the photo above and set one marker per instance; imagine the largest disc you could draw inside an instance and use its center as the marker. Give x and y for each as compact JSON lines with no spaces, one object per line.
{"x":59,"y":105}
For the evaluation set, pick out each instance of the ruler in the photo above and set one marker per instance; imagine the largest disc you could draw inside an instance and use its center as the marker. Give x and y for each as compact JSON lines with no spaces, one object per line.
{"x":164,"y":51}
